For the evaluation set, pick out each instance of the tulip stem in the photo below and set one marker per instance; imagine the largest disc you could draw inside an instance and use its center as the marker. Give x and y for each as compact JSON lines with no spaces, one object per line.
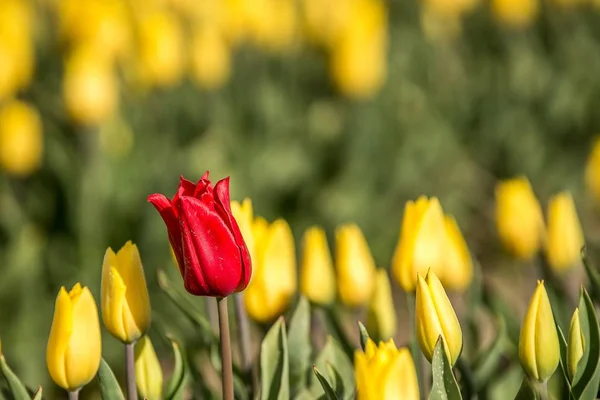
{"x":226,"y":365}
{"x":74,"y":395}
{"x":130,"y":363}
{"x":244,"y":337}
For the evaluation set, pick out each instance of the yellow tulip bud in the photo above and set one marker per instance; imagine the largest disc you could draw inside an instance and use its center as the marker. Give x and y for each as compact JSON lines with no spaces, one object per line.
{"x":244,"y":216}
{"x":385,"y":373}
{"x":211,"y":58}
{"x":317,"y":275}
{"x":272,"y":24}
{"x":458,"y":266}
{"x":381,"y":318}
{"x":592,"y":170}
{"x":565,"y":237}
{"x":273,"y":283}
{"x":355,"y":266}
{"x":519,"y":218}
{"x":436,"y":317}
{"x":516,"y":14}
{"x":21,"y":142}
{"x":148,"y":374}
{"x":422,"y":243}
{"x":74,"y":346}
{"x":125,"y":302}
{"x":576,"y":344}
{"x":539,"y":350}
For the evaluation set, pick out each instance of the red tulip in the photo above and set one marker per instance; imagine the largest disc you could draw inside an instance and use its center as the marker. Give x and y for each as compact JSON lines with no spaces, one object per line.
{"x":210,"y":250}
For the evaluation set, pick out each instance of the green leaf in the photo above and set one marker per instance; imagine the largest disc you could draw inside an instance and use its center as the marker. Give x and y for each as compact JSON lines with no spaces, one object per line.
{"x":333,"y":323}
{"x":592,"y":273}
{"x":487,"y":362}
{"x":444,"y":383}
{"x":587,"y":377}
{"x":337,"y":383}
{"x":526,"y":391}
{"x":299,"y":346}
{"x":15,"y":386}
{"x":334,"y":355}
{"x":562,"y":343}
{"x":329,"y":391}
{"x":109,"y":386}
{"x":38,"y":394}
{"x":274,"y":363}
{"x":177,"y":383}
{"x":364,"y":335}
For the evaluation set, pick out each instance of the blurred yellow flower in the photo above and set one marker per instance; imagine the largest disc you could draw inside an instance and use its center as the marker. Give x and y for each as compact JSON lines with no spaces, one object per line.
{"x":273,"y":283}
{"x":422,"y":244}
{"x":17,"y":56}
{"x":161,"y":52}
{"x":515,"y":13}
{"x":576,"y":344}
{"x":90,"y":88}
{"x":385,"y":373}
{"x":539,"y":350}
{"x":21,"y":141}
{"x":210,"y":58}
{"x":355,"y":266}
{"x":458,"y":266}
{"x":564,"y":236}
{"x":436,"y":317}
{"x":244,"y":216}
{"x":148,"y":374}
{"x":592,"y":170}
{"x":317,"y":274}
{"x":74,"y":346}
{"x":381,"y":317}
{"x":449,"y":8}
{"x":272,"y":24}
{"x":125,"y":301}
{"x":519,"y":218}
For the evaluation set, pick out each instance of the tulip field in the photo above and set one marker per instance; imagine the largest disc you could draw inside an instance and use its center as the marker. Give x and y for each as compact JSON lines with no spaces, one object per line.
{"x":299,"y":199}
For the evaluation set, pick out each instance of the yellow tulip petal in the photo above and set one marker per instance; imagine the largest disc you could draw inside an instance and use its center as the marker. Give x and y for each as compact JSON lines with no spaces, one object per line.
{"x":428,"y":324}
{"x":458,"y":271}
{"x":317,"y":275}
{"x":58,"y":341}
{"x":355,"y":266}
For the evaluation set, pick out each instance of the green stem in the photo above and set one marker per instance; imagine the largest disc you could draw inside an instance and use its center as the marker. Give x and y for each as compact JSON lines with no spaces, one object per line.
{"x":74,"y":395}
{"x":414,"y":346}
{"x":541,"y":389}
{"x":467,"y":379}
{"x":130,"y":363}
{"x":245,"y":343}
{"x":225,"y":338}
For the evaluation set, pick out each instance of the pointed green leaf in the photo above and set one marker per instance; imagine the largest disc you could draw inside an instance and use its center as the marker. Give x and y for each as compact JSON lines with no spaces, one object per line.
{"x":563,"y":357}
{"x":526,"y":391}
{"x":364,"y":335}
{"x":274,"y":364}
{"x":15,"y":386}
{"x":329,"y":391}
{"x":337,"y":383}
{"x":333,"y":354}
{"x":177,"y":383}
{"x":299,"y":346}
{"x":444,"y":383}
{"x":109,"y":386}
{"x":38,"y":394}
{"x":587,"y":377}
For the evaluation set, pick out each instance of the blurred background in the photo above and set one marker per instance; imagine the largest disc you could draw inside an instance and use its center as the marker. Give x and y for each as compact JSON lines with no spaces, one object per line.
{"x":323,"y":112}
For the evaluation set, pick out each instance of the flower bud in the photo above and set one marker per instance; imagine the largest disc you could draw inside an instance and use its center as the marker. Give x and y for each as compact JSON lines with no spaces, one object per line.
{"x":539,"y":350}
{"x":125,"y":302}
{"x":576,"y":344}
{"x":436,"y":317}
{"x":458,"y":266}
{"x":355,"y":266}
{"x":564,"y":237}
{"x":592,"y":170}
{"x":381,"y":317}
{"x":317,"y":275}
{"x":74,"y":346}
{"x":21,"y":141}
{"x":211,"y":57}
{"x":519,"y":218}
{"x":385,"y":373}
{"x":516,"y":14}
{"x":148,"y":374}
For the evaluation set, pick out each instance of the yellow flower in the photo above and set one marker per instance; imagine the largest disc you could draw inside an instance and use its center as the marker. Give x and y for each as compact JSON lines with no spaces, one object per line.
{"x":435,"y":318}
{"x":244,"y":216}
{"x":355,"y":266}
{"x":515,"y":13}
{"x":564,"y":237}
{"x":21,"y":141}
{"x":539,"y":351}
{"x":458,"y":266}
{"x":317,"y":275}
{"x":449,"y":8}
{"x":519,"y":218}
{"x":90,"y":88}
{"x":422,"y":243}
{"x":273,"y":283}
{"x":125,"y":303}
{"x":576,"y":344}
{"x":385,"y":373}
{"x":592,"y":169}
{"x":74,"y":346}
{"x":381,"y":318}
{"x":324,"y":21}
{"x":211,"y":58}
{"x":272,"y":24}
{"x":148,"y":374}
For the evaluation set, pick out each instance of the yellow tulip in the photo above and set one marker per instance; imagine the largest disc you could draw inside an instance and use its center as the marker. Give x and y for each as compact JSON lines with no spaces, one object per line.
{"x":211,"y":58}
{"x":148,"y":374}
{"x":564,"y":237}
{"x":21,"y":141}
{"x":125,"y":302}
{"x":74,"y":346}
{"x":422,"y":243}
{"x":272,"y":24}
{"x":273,"y":283}
{"x":458,"y":266}
{"x":381,"y":317}
{"x":519,"y":218}
{"x":449,"y":8}
{"x":539,"y":350}
{"x":355,"y":266}
{"x":576,"y":344}
{"x":385,"y":373}
{"x":90,"y":88}
{"x":516,"y":14}
{"x":244,"y":215}
{"x":436,"y":317}
{"x":324,"y":21}
{"x":317,"y":275}
{"x":592,"y":170}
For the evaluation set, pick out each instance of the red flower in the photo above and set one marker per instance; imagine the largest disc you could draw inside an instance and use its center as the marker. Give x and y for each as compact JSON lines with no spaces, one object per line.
{"x":210,"y":250}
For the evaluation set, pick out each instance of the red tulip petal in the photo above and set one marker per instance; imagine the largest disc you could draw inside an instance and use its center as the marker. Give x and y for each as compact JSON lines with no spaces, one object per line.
{"x":185,"y":188}
{"x":167,"y":212}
